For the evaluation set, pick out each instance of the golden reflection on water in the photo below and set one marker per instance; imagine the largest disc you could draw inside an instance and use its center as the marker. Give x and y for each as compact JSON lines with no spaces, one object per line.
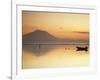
{"x":57,"y":57}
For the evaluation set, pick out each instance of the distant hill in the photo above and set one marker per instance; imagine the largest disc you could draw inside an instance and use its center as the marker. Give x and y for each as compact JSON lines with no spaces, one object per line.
{"x":40,"y":36}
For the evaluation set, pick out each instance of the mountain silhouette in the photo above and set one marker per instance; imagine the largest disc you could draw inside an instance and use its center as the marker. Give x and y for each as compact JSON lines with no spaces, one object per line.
{"x":40,"y":36}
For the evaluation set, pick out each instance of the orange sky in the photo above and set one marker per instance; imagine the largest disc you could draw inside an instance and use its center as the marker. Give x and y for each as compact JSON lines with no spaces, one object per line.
{"x":62,"y":25}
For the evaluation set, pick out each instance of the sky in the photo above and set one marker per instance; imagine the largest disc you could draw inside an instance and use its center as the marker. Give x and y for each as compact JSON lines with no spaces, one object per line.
{"x":61,"y":25}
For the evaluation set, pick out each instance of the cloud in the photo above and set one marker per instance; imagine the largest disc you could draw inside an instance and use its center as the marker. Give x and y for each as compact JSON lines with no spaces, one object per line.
{"x":80,"y":32}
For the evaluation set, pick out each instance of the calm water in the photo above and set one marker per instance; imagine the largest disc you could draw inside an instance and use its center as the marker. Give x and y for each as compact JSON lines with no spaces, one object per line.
{"x":48,"y":56}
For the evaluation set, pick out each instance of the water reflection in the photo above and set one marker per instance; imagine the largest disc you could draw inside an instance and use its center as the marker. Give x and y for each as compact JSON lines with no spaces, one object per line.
{"x":40,"y":50}
{"x":44,"y":56}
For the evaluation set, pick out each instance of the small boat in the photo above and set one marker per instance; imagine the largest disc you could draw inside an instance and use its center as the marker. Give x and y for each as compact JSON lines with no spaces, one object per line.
{"x":82,"y":48}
